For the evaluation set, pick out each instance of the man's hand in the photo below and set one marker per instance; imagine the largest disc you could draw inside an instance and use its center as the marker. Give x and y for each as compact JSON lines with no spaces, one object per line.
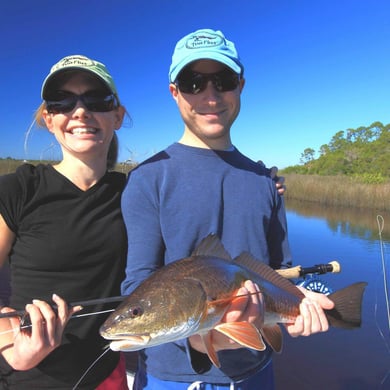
{"x":312,"y":318}
{"x":247,"y":306}
{"x":279,"y":180}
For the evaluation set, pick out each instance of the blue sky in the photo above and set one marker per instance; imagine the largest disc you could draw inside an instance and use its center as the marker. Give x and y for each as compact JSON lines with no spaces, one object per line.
{"x":312,"y":67}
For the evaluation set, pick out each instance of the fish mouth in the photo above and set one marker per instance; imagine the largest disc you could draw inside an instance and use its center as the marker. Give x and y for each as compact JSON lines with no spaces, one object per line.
{"x":128,"y":343}
{"x":124,"y":336}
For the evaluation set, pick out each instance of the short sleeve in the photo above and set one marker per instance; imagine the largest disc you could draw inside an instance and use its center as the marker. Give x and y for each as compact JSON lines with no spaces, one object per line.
{"x":12,"y":194}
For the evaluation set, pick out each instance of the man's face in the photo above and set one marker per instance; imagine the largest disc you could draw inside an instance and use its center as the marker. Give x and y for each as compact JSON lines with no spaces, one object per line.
{"x":209,"y":113}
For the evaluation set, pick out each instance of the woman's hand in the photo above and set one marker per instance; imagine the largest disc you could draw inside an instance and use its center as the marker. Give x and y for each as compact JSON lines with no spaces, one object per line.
{"x":25,"y":348}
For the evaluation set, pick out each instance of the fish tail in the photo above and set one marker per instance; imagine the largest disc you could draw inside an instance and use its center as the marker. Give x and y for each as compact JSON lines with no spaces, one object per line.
{"x":347,"y":311}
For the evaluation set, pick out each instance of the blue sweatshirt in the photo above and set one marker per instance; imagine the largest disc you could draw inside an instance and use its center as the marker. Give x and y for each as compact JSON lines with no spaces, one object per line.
{"x":171,"y":202}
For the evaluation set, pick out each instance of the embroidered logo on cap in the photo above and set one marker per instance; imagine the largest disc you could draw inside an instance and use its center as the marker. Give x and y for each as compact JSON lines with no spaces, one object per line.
{"x":204,"y":41}
{"x":77,"y":61}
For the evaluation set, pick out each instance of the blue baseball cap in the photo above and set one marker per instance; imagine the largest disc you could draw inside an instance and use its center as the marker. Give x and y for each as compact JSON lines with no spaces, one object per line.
{"x":204,"y":44}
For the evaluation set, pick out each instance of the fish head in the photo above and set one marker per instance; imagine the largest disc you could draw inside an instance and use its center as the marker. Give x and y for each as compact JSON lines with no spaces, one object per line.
{"x":155,"y":314}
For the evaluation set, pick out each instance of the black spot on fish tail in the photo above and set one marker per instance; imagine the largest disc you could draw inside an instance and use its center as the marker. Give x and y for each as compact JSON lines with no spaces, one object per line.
{"x":347,"y":312}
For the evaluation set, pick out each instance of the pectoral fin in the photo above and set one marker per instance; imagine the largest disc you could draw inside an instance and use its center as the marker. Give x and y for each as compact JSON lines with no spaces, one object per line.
{"x":206,"y":338}
{"x":243,"y":333}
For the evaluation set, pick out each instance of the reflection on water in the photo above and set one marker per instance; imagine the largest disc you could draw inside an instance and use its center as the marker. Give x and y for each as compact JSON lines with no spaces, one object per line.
{"x":361,"y":223}
{"x":340,"y":359}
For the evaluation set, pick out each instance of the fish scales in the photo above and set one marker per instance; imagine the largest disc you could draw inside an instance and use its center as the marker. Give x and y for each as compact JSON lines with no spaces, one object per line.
{"x":190,"y":296}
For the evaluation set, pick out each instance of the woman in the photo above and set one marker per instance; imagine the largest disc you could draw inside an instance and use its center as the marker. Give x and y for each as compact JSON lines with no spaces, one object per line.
{"x":62,"y":231}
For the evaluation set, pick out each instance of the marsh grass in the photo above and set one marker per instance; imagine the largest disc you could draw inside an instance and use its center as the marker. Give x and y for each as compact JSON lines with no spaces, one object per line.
{"x":9,"y":165}
{"x":338,"y":191}
{"x":343,"y":191}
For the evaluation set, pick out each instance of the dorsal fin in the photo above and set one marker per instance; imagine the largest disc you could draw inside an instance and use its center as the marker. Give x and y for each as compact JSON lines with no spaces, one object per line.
{"x":266,"y":272}
{"x":211,"y":245}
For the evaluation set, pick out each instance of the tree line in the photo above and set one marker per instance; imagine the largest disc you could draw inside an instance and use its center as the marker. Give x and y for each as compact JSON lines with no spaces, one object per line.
{"x":363,"y":153}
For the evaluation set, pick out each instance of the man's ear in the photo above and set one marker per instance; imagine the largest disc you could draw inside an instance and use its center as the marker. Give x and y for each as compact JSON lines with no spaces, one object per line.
{"x":242,"y":83}
{"x":173,"y":90}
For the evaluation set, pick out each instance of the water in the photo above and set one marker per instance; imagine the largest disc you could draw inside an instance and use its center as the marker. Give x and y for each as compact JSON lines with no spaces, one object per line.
{"x":340,"y":359}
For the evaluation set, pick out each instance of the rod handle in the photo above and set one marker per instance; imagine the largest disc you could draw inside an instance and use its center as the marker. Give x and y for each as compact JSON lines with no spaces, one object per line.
{"x":298,"y":271}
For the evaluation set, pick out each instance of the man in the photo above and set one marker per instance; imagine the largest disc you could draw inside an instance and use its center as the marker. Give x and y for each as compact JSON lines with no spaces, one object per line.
{"x":200,"y":185}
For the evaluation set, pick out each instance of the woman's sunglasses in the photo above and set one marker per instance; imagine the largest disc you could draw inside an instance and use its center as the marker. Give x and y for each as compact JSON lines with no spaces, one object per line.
{"x":96,"y":101}
{"x":192,"y":82}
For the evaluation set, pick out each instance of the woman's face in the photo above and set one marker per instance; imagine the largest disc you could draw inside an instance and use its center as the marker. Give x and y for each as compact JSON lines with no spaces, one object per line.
{"x":83,"y":133}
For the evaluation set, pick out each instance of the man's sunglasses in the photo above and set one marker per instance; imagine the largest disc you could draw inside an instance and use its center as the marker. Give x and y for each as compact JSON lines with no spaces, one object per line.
{"x":96,"y":101}
{"x":192,"y":82}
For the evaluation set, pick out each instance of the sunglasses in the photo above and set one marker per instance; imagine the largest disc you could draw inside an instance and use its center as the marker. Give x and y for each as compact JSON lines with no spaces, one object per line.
{"x":95,"y":101}
{"x":192,"y":82}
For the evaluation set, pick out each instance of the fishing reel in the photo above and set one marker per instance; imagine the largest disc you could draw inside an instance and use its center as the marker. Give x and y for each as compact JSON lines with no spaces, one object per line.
{"x":314,"y":283}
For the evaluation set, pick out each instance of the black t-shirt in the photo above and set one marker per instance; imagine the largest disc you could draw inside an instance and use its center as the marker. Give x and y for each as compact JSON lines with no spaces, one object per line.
{"x":72,"y":243}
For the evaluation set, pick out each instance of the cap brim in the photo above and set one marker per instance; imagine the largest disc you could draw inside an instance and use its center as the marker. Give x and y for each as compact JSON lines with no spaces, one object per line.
{"x":205,"y":55}
{"x":49,"y":79}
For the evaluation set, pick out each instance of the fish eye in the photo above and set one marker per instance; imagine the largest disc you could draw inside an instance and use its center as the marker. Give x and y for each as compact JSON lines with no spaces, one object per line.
{"x":135,"y":311}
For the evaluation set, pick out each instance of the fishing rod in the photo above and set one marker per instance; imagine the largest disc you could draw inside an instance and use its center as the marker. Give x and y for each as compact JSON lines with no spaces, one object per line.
{"x":91,"y":302}
{"x":308,"y":276}
{"x":381,"y":223}
{"x":318,"y":269}
{"x":289,"y":273}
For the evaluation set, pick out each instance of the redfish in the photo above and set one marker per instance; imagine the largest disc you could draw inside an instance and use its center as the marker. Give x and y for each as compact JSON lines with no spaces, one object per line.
{"x":190,"y":296}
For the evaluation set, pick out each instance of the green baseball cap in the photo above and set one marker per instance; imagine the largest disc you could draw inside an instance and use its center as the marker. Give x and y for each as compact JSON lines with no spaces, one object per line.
{"x":79,"y":62}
